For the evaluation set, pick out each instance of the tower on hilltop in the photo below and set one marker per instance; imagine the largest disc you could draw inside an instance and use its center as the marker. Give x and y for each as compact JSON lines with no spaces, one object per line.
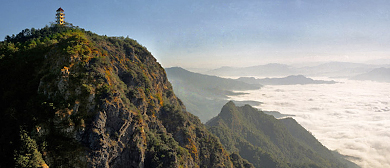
{"x":60,"y":16}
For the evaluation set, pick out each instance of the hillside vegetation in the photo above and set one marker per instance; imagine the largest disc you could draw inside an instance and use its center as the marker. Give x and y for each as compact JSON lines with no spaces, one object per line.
{"x":71,"y":98}
{"x":266,"y":141}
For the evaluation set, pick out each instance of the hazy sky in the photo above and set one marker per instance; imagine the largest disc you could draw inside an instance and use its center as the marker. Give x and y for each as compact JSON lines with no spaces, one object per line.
{"x":213,"y":33}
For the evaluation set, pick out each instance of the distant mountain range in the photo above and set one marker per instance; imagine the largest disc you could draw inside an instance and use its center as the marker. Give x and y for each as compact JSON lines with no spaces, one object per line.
{"x":267,"y":142}
{"x":255,"y":135}
{"x":198,"y":90}
{"x":378,"y":74}
{"x":337,"y":69}
{"x":207,"y":81}
{"x":289,"y":80}
{"x":331,"y":69}
{"x":204,"y":95}
{"x":260,"y":70}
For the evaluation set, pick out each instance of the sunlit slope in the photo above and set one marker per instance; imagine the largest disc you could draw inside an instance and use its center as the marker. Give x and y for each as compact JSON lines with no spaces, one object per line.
{"x":264,"y":140}
{"x":72,"y":98}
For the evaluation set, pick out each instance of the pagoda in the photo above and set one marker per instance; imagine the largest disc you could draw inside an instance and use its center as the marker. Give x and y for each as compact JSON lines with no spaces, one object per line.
{"x":60,"y":16}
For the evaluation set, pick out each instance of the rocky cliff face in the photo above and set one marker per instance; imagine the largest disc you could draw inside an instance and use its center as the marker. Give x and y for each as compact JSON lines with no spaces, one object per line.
{"x":94,"y":101}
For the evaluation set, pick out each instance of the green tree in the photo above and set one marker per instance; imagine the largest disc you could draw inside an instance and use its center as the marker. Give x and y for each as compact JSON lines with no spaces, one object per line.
{"x":28,"y":155}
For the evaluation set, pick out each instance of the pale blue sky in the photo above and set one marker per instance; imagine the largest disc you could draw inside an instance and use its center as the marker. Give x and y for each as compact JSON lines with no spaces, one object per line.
{"x":214,"y":33}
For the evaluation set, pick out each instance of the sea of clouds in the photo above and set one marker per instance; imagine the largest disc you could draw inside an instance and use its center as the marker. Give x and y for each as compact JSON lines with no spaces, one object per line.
{"x":352,"y":117}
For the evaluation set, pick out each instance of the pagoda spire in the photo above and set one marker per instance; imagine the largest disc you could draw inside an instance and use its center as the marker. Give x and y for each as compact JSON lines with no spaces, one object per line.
{"x":60,"y":16}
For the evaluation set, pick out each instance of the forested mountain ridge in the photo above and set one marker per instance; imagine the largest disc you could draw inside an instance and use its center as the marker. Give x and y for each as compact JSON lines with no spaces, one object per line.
{"x":306,"y":139}
{"x":266,"y":141}
{"x":72,"y":98}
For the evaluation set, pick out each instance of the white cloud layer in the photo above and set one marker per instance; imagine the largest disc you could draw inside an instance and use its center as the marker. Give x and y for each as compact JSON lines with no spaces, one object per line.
{"x":352,"y":117}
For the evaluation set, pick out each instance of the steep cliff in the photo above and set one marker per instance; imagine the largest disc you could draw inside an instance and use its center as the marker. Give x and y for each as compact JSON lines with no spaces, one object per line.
{"x":72,"y":98}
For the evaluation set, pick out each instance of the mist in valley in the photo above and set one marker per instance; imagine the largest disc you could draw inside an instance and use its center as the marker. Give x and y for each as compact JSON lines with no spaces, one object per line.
{"x":351,"y":117}
{"x":346,"y":114}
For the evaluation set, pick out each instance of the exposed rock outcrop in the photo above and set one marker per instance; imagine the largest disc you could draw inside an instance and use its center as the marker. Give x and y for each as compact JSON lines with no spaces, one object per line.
{"x":100,"y":102}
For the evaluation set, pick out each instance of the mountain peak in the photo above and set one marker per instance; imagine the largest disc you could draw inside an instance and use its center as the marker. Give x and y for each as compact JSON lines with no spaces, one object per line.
{"x":84,"y":100}
{"x":254,"y":134}
{"x":229,"y":110}
{"x":229,"y":114}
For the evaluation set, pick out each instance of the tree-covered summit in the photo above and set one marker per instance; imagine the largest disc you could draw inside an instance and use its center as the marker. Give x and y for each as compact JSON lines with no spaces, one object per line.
{"x":72,"y":98}
{"x":266,"y":141}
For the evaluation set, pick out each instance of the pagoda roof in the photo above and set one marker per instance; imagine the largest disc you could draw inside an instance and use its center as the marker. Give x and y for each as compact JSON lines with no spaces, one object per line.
{"x":60,"y":9}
